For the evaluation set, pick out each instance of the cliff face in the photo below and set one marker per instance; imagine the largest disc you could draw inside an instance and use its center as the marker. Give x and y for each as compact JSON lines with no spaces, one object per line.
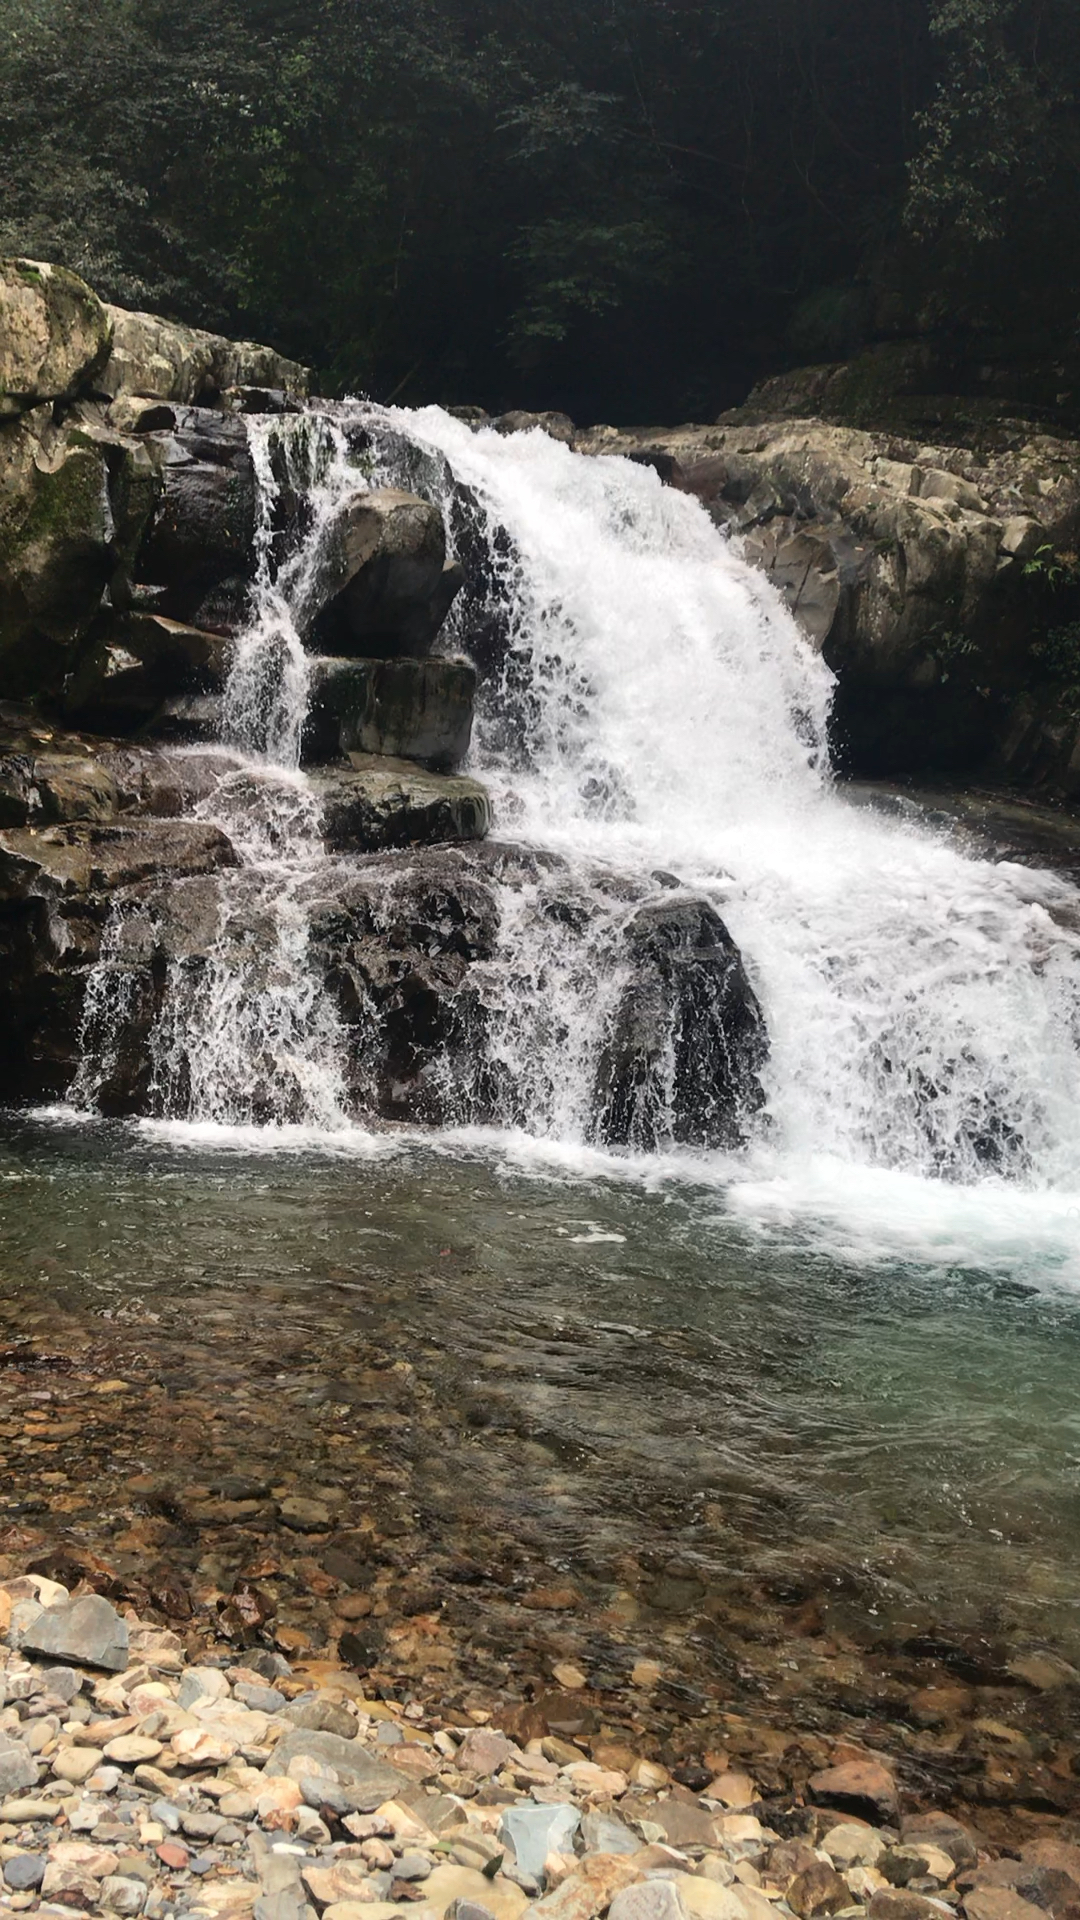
{"x":939,"y":579}
{"x":88,"y":398}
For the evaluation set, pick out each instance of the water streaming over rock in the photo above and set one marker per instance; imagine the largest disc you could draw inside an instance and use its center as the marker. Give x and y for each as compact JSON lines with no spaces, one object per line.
{"x":649,"y":710}
{"x":923,"y":1008}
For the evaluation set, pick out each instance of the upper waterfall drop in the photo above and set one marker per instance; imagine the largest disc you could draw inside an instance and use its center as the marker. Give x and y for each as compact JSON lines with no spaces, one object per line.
{"x":923,"y":1007}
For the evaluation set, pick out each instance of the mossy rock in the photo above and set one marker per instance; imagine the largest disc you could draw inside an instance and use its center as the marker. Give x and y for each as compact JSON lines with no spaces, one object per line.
{"x":55,"y":334}
{"x":56,"y":554}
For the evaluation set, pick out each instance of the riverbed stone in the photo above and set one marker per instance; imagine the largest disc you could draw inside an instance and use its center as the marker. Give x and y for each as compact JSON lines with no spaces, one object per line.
{"x":532,"y":1832}
{"x":816,"y":1891}
{"x":500,"y":1896}
{"x":76,"y":1764}
{"x":17,"y":1767}
{"x":648,"y":1900}
{"x":851,"y":1844}
{"x":24,"y":1871}
{"x":372,"y":1780}
{"x":856,"y":1786}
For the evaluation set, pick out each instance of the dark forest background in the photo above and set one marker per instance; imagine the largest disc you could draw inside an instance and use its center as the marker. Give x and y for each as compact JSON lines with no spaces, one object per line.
{"x":630,"y":209}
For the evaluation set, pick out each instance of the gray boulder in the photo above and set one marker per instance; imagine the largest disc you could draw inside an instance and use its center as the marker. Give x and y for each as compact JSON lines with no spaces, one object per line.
{"x":386,"y":587}
{"x":17,"y":1767}
{"x":89,"y":1631}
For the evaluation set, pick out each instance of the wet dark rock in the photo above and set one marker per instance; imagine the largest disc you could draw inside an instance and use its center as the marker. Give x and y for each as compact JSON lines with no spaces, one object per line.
{"x":55,"y":888}
{"x":380,"y":803}
{"x":387,"y":586}
{"x":203,"y":532}
{"x":688,"y":1038}
{"x":410,"y":709}
{"x":139,"y":661}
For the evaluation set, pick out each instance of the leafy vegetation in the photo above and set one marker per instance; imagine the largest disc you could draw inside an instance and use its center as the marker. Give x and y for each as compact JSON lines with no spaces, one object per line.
{"x":628,"y":208}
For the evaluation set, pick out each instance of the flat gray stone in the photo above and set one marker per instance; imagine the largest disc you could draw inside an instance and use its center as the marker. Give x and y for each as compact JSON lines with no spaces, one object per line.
{"x":89,"y":1632}
{"x":24,"y":1872}
{"x":18,"y":1767}
{"x":602,"y":1833}
{"x":533,"y":1831}
{"x":354,"y":1765}
{"x":649,"y":1900}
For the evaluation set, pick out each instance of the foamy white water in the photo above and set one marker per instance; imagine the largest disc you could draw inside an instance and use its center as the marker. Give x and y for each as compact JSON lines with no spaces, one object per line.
{"x":923,"y":1008}
{"x":658,"y":710}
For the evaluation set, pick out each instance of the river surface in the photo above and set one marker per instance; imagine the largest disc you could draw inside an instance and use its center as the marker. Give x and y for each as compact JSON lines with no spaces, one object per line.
{"x":657,"y":1376}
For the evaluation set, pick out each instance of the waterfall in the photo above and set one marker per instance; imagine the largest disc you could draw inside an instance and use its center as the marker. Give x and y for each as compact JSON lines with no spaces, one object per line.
{"x":664,"y":711}
{"x":653,"y":710}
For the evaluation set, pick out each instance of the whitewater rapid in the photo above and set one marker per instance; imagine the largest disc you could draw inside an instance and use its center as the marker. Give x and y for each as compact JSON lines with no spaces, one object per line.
{"x":653,"y":709}
{"x":923,"y":1007}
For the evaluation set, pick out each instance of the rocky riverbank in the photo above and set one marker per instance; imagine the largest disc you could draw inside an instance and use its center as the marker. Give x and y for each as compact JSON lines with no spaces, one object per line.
{"x":144,"y":1773}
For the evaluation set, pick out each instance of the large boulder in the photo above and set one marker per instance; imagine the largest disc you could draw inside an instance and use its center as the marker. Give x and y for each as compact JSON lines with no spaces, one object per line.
{"x":688,"y":1039}
{"x":386,"y":586}
{"x":56,"y":551}
{"x":200,"y":550}
{"x":165,"y":360}
{"x":75,"y":501}
{"x":406,"y":709}
{"x":55,"y":334}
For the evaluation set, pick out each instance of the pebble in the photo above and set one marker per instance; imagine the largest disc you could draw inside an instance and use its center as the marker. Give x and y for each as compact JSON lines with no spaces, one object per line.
{"x":190,"y":1779}
{"x":24,"y":1871}
{"x":76,"y":1764}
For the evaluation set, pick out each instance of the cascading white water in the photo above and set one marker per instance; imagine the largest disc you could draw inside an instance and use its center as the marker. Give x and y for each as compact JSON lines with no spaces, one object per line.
{"x":246,"y":1031}
{"x":923,"y":1008}
{"x":658,"y":709}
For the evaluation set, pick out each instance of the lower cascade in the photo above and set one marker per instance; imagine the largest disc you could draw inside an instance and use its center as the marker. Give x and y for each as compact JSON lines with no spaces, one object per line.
{"x":681,"y":934}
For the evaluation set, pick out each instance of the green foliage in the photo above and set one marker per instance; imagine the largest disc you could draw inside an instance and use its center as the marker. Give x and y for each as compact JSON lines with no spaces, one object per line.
{"x":625,"y":207}
{"x":1053,"y":568}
